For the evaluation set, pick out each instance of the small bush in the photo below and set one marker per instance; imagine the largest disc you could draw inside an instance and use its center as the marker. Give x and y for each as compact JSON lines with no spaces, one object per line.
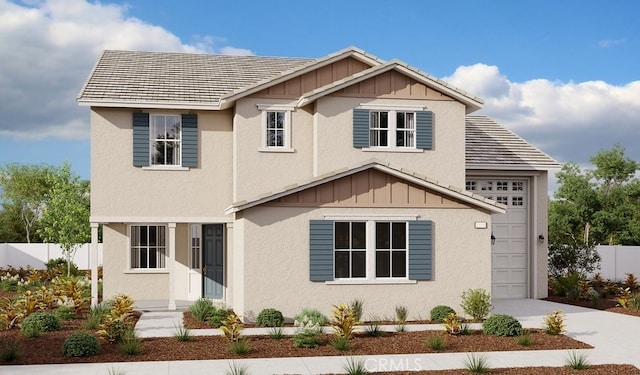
{"x":306,"y":339}
{"x":270,"y":318}
{"x":477,"y":363}
{"x":374,"y":330}
{"x":46,"y":321}
{"x":401,"y":314}
{"x":345,"y":321}
{"x":313,"y":315}
{"x":240,"y":346}
{"x":202,"y":309}
{"x":130,"y":343}
{"x":568,"y":285}
{"x":634,"y":302}
{"x":31,"y":331}
{"x":436,"y":342}
{"x":341,"y":343}
{"x":182,"y":334}
{"x":524,"y":339}
{"x":355,"y":366}
{"x":80,"y":345}
{"x":96,"y":315}
{"x":502,"y":325}
{"x":577,"y":361}
{"x":237,"y":369}
{"x":65,"y":312}
{"x":58,"y":267}
{"x":232,"y":328}
{"x":357,"y":306}
{"x":276,"y":333}
{"x":218,"y":316}
{"x":554,"y":323}
{"x":440,"y":313}
{"x":452,"y":324}
{"x":476,"y":303}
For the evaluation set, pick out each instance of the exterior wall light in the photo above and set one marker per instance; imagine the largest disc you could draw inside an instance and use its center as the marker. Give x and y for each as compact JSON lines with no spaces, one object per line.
{"x":493,"y":239}
{"x":541,"y":238}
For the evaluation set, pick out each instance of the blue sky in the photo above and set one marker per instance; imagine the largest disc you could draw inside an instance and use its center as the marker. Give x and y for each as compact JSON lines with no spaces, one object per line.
{"x":562,"y":74}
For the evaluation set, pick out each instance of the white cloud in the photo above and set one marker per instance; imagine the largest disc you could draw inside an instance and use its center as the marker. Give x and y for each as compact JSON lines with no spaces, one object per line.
{"x":570,"y":121}
{"x":610,"y":43}
{"x":49,"y":48}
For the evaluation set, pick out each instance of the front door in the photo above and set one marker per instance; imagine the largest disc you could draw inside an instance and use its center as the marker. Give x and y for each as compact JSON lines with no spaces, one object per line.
{"x":213,"y":260}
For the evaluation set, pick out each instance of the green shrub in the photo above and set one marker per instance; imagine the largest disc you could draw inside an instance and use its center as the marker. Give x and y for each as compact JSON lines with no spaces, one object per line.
{"x":436,"y":342}
{"x":218,"y":316}
{"x":58,"y":267}
{"x":130,"y":343}
{"x":477,"y":363}
{"x":357,"y":306}
{"x":276,"y":333}
{"x":341,"y":343}
{"x":634,"y":302}
{"x":31,"y":331}
{"x":240,"y":346}
{"x":96,"y":315}
{"x":313,"y":315}
{"x":202,"y":309}
{"x":64,"y":312}
{"x":502,"y":325}
{"x":46,"y":321}
{"x":8,"y":351}
{"x":182,"y":334}
{"x":355,"y":366}
{"x":577,"y":361}
{"x":524,"y":339}
{"x":306,"y":339}
{"x":80,"y":345}
{"x":440,"y":313}
{"x":374,"y":330}
{"x":402,"y":314}
{"x":568,"y":286}
{"x":270,"y":318}
{"x":476,"y":303}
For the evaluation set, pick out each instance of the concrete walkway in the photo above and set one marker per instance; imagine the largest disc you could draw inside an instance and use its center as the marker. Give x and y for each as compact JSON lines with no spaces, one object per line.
{"x":614,"y":337}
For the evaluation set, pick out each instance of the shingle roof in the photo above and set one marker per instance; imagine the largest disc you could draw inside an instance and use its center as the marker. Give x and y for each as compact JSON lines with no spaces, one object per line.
{"x":491,"y":146}
{"x":170,"y":77}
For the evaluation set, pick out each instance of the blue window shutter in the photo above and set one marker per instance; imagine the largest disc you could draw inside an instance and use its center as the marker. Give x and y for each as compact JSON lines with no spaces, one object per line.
{"x":189,"y":140}
{"x":140,"y":139}
{"x":424,"y":130}
{"x":320,"y":250}
{"x":420,"y":250}
{"x":360,"y":128}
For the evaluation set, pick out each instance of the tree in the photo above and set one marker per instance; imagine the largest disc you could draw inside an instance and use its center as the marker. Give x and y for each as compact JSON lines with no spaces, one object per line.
{"x":65,"y":220}
{"x":591,"y":207}
{"x":25,"y":188}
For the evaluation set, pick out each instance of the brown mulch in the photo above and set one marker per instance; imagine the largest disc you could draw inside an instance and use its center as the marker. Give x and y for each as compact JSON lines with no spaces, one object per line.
{"x":605,"y":304}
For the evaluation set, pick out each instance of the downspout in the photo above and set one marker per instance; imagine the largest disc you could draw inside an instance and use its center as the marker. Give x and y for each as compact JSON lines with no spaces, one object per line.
{"x":533,"y":239}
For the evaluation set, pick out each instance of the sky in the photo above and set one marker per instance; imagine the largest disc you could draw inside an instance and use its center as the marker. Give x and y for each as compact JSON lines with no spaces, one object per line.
{"x":564,"y":75}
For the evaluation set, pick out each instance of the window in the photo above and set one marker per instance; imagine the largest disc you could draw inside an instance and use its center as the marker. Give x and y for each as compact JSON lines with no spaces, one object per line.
{"x":387,"y":129}
{"x":350,"y":250}
{"x":196,"y":238}
{"x":276,"y":128}
{"x":388,"y":248}
{"x":391,"y":249}
{"x":391,"y":128}
{"x":147,"y":247}
{"x":165,"y":139}
{"x":394,"y":251}
{"x":161,"y":141}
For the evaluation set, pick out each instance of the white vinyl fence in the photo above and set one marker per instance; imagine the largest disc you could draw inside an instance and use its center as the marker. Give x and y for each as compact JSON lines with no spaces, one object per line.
{"x":37,"y":254}
{"x":617,"y":261}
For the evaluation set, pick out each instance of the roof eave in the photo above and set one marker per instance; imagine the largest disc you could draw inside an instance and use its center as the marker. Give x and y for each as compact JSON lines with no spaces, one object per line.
{"x":150,"y":104}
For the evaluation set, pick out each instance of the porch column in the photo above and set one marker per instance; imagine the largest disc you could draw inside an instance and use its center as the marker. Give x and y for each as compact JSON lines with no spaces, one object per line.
{"x":172,"y":266}
{"x":93,"y":257}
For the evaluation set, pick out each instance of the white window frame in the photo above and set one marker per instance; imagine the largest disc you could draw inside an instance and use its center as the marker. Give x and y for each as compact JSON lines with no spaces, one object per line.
{"x":153,"y":140}
{"x":195,"y":246}
{"x":370,"y":273}
{"x":130,"y":249}
{"x":287,"y":110}
{"x":393,"y":110}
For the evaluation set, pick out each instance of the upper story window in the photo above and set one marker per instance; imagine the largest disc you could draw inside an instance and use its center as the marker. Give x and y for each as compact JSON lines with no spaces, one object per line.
{"x":275,"y":121}
{"x":387,"y":129}
{"x":276,"y":128}
{"x":165,"y":139}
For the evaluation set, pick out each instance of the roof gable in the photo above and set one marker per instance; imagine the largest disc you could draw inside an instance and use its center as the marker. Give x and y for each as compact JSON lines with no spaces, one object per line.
{"x":358,"y":186}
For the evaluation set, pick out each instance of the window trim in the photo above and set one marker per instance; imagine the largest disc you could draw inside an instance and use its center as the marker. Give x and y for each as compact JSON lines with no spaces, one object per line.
{"x":130,"y":269}
{"x":265,"y":109}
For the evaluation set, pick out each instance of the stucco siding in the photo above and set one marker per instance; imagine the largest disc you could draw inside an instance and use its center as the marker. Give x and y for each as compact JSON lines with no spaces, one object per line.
{"x":334,"y":148}
{"x":276,"y":274}
{"x":118,"y":189}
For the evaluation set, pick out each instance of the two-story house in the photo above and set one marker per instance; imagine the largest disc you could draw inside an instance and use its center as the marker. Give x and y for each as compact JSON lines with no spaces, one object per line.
{"x":302,"y":183}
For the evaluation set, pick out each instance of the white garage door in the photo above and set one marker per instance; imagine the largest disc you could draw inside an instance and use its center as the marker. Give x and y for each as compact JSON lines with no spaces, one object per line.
{"x":509,"y":254}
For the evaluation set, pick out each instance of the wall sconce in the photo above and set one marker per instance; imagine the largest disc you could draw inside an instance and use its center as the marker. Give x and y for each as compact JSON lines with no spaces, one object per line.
{"x":541,"y":238}
{"x":493,"y":239}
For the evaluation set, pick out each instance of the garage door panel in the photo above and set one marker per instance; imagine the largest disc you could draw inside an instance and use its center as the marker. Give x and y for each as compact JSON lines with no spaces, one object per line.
{"x":510,"y":253}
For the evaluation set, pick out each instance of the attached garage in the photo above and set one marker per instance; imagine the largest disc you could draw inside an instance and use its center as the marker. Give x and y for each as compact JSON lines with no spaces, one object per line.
{"x":503,"y":167}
